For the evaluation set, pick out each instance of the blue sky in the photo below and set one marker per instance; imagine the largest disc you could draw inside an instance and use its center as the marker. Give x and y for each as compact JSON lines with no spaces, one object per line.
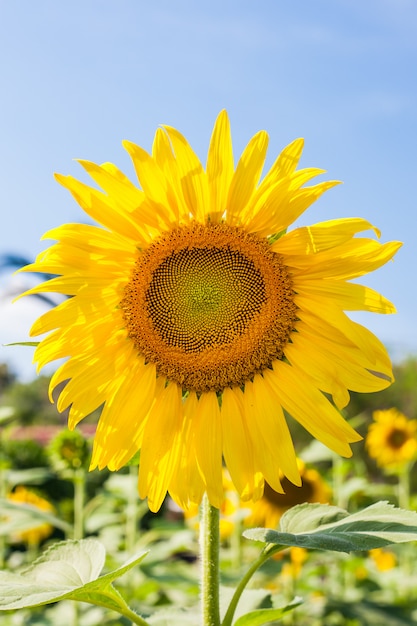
{"x":79,"y":76}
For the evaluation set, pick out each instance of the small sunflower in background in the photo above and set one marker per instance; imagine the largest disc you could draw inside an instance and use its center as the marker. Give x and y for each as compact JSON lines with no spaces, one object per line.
{"x":39,"y":531}
{"x":268,"y":510}
{"x":292,"y":568}
{"x":68,"y":451}
{"x":392,"y":438}
{"x":383,"y":559}
{"x":195,"y":318}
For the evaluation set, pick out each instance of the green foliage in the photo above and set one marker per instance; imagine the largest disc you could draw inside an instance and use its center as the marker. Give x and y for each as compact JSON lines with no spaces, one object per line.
{"x":24,"y":453}
{"x":6,"y":377}
{"x":325,"y":527}
{"x":68,"y":570}
{"x":266,"y":616}
{"x":337,"y":589}
{"x":31,"y":403}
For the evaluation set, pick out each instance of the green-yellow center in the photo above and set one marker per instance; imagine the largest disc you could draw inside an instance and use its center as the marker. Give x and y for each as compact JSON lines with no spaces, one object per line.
{"x":210,"y":305}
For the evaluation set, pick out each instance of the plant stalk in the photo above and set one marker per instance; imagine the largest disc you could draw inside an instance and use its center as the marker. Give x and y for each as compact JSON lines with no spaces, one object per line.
{"x":209,"y":554}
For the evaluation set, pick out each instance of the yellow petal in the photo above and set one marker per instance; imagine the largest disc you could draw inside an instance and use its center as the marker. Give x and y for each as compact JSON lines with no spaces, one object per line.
{"x":350,"y":260}
{"x":321,"y":236}
{"x":305,"y":403}
{"x":246,"y":176}
{"x":279,"y":207}
{"x":165,"y":158}
{"x":274,"y":450}
{"x":208,"y":445}
{"x":192,"y":176}
{"x":153,"y":183}
{"x":220,"y":166}
{"x":160,"y":449}
{"x":100,"y":208}
{"x":345,"y":334}
{"x":238,"y":448}
{"x":286,"y":162}
{"x":348,"y":296}
{"x":122,"y":421}
{"x":187,"y":486}
{"x":92,"y":379}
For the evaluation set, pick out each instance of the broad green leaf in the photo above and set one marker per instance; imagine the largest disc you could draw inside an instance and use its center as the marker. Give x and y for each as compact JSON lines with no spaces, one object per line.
{"x":266,"y":616}
{"x":327,"y":527}
{"x":68,"y":570}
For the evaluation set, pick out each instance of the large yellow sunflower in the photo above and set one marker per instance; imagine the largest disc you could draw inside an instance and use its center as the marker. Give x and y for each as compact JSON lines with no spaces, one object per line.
{"x":196,"y":319}
{"x":392,"y":438}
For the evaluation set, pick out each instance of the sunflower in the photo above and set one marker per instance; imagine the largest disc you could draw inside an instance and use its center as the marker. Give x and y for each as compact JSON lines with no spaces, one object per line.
{"x":392,"y":438}
{"x":383,"y":559}
{"x":195,"y":319}
{"x":268,"y":510}
{"x":38,"y":531}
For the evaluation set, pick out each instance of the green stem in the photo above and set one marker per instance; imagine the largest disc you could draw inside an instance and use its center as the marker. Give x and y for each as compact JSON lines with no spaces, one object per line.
{"x":209,"y":551}
{"x":79,"y":496}
{"x":404,"y":487}
{"x":122,"y":608}
{"x":3,"y":492}
{"x":134,"y":617}
{"x":404,"y":503}
{"x":266,"y":554}
{"x":337,"y":479}
{"x":131,"y":510}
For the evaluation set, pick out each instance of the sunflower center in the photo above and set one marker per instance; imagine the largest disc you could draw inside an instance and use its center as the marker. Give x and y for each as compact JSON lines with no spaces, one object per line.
{"x":210,"y":305}
{"x":397,"y":438}
{"x":292,"y":494}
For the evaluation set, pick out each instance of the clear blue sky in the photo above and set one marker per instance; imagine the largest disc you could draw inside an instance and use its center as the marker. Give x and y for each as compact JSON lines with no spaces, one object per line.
{"x":78,"y":76}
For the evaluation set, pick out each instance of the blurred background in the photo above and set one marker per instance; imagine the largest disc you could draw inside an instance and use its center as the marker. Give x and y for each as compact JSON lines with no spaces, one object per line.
{"x":78,"y":77}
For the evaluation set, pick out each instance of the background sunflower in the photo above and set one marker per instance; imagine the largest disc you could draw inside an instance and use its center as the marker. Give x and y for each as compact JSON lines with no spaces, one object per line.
{"x":392,"y":438}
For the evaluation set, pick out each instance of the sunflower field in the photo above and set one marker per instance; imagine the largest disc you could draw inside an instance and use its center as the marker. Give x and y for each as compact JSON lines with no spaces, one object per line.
{"x":51,"y":501}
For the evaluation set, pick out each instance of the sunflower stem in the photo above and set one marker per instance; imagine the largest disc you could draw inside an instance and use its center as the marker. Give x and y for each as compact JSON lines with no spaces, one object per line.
{"x":209,"y":552}
{"x":404,"y":486}
{"x":79,"y":498}
{"x":266,"y":554}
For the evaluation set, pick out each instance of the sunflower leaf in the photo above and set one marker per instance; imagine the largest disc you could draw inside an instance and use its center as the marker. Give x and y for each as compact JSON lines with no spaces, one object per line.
{"x":68,"y":570}
{"x":325,"y":527}
{"x":22,"y":343}
{"x":266,"y":616}
{"x":19,"y":517}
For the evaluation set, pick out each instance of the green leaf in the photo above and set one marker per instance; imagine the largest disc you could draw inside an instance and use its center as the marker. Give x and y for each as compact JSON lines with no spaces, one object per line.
{"x":22,"y":343}
{"x":32,"y":476}
{"x":325,"y":527}
{"x":266,"y":616}
{"x":68,"y":570}
{"x":19,"y":517}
